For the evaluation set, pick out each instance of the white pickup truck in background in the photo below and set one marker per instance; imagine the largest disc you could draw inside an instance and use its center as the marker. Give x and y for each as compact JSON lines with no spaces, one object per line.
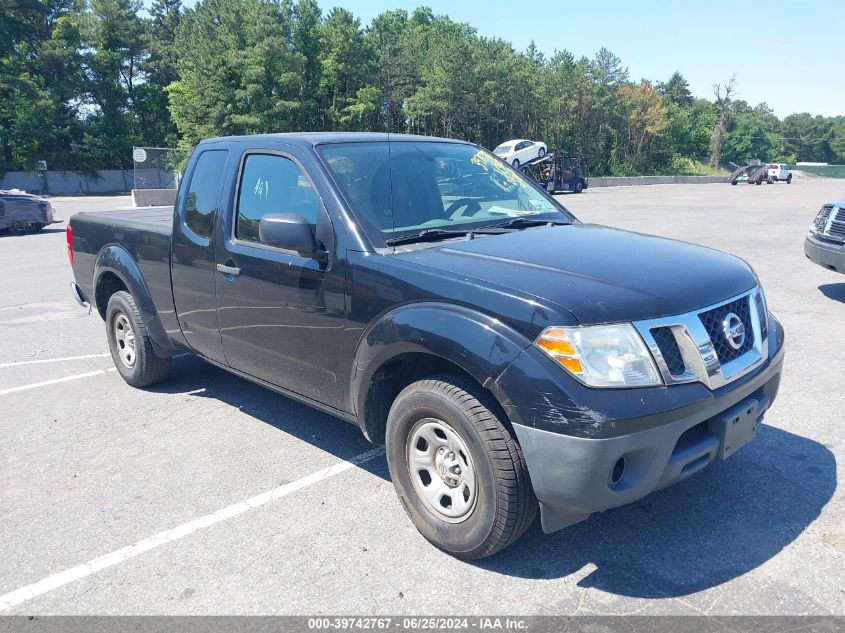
{"x":779,"y":171}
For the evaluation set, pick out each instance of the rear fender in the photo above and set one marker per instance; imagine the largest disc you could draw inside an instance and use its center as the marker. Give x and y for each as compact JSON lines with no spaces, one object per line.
{"x":477,"y":343}
{"x":117,"y":260}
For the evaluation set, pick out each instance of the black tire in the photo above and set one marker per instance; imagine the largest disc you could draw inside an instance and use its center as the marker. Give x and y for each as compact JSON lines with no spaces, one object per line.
{"x":541,"y":152}
{"x":515,"y":163}
{"x":579,"y":187}
{"x":504,"y":505}
{"x":147,"y":368}
{"x":759,"y":181}
{"x":30,"y":228}
{"x":770,"y":181}
{"x":789,"y":179}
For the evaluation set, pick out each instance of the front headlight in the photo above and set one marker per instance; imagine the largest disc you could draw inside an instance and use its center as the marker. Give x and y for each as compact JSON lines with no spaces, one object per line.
{"x":601,"y":355}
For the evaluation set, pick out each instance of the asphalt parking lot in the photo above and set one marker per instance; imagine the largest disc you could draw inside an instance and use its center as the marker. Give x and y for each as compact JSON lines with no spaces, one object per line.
{"x":95,"y":475}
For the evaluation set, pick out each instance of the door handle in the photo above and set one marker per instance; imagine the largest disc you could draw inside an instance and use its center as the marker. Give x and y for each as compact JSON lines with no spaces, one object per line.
{"x":231,"y":271}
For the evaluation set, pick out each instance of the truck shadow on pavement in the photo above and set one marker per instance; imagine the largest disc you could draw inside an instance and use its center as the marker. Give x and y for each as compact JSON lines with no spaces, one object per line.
{"x":190,"y":374}
{"x":834,"y":291}
{"x":714,"y":527}
{"x":707,"y":530}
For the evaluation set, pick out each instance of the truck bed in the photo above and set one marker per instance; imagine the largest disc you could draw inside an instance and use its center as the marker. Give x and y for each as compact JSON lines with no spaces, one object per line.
{"x":103,"y":237}
{"x":156,"y":219}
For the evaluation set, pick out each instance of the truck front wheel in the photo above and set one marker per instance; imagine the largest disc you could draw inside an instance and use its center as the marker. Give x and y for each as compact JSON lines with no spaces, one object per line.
{"x":130,"y":345}
{"x":458,"y":471}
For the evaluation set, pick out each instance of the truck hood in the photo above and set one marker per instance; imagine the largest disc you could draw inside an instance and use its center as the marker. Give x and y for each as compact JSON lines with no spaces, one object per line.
{"x":597,"y":273}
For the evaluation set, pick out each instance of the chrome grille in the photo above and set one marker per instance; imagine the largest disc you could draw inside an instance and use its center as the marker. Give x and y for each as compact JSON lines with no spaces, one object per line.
{"x":835,"y":228}
{"x":820,"y":223}
{"x":665,"y":339}
{"x":693,"y":347}
{"x":713,"y":321}
{"x":761,"y":314}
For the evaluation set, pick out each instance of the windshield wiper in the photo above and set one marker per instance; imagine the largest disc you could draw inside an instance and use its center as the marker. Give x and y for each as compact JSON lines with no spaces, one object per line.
{"x":425,"y":236}
{"x":520,"y":223}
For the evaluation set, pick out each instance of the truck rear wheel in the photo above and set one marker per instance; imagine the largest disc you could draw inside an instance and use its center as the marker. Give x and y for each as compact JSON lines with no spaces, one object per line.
{"x":130,"y":345}
{"x":458,"y":471}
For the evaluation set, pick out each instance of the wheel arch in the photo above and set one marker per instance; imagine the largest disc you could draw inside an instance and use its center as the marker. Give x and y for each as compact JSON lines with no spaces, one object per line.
{"x":116,"y":270}
{"x":418,"y":340}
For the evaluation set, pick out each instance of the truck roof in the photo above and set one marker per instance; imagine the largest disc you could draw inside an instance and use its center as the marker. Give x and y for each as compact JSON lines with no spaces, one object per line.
{"x":316,"y":138}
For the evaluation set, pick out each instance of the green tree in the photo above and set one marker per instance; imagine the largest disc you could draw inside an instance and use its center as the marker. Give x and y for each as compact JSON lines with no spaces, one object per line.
{"x":676,"y":90}
{"x":348,"y":92}
{"x":40,"y":77}
{"x":150,"y":103}
{"x":306,"y":43}
{"x":239,"y":72}
{"x":748,"y":139}
{"x":114,"y":48}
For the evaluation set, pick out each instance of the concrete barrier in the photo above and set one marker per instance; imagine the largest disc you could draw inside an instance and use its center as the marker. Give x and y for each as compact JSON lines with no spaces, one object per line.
{"x":59,"y":183}
{"x":622,"y":181}
{"x":153,"y":197}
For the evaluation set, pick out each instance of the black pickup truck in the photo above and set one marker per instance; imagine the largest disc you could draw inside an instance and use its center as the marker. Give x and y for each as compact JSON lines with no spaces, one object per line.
{"x":507,"y":356}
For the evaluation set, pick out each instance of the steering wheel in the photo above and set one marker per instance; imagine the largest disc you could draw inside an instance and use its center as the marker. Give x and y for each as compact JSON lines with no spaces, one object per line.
{"x":461,"y":207}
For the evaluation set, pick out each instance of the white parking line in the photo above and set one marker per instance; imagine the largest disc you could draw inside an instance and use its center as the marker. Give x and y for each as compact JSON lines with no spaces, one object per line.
{"x":36,"y":385}
{"x":51,"y":360}
{"x":116,"y":557}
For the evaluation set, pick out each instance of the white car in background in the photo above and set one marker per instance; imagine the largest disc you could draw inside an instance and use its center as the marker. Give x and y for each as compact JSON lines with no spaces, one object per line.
{"x":519,"y":151}
{"x":779,"y":171}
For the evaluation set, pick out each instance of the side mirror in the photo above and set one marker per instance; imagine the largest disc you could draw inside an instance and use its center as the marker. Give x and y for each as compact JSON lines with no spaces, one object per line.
{"x":289,"y":231}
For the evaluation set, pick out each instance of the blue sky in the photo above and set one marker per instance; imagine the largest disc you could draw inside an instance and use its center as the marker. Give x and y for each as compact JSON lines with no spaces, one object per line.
{"x":791,"y":58}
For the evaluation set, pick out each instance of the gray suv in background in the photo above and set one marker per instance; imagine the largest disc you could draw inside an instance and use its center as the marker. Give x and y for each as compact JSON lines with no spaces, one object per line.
{"x":825,"y":243}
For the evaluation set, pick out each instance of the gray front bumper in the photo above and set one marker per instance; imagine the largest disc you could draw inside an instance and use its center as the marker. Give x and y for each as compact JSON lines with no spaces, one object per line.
{"x":573,"y":476}
{"x":825,"y":254}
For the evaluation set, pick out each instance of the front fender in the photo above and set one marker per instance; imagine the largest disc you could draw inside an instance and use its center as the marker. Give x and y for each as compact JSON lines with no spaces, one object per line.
{"x":117,"y":260}
{"x":478,"y":343}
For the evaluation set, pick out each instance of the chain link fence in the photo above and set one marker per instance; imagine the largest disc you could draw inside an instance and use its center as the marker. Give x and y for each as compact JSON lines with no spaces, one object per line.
{"x":159,"y":167}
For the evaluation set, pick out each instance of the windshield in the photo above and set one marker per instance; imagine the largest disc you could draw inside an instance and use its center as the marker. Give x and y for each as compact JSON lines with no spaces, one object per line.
{"x":405,"y":188}
{"x":502,"y":150}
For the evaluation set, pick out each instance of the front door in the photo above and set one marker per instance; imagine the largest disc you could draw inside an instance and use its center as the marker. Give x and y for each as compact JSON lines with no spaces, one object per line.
{"x":281,"y":315}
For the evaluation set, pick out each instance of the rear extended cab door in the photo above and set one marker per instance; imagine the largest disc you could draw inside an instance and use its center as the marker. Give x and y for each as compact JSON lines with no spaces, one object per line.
{"x":192,"y":256}
{"x":282,"y":315}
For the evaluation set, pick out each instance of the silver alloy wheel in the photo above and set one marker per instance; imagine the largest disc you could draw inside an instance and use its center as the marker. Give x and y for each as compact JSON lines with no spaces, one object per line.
{"x":124,"y":338}
{"x":441,"y":470}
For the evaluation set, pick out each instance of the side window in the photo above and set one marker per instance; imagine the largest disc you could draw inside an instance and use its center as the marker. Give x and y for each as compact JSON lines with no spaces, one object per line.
{"x":272,"y":184}
{"x":204,"y":192}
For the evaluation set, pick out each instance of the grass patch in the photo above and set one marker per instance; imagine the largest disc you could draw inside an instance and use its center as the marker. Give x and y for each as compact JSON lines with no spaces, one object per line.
{"x":830,"y":171}
{"x":688,"y":167}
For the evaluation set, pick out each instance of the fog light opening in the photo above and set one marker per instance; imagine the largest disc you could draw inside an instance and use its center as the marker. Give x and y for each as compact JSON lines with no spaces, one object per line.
{"x":618,"y":471}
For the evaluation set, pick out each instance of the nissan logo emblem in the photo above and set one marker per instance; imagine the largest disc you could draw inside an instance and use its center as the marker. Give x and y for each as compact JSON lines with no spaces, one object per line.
{"x":734,"y":330}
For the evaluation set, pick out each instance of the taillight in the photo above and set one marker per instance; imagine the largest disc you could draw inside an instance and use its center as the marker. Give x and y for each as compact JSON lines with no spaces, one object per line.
{"x":69,"y":235}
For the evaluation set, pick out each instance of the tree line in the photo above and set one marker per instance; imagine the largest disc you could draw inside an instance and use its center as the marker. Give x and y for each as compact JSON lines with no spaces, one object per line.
{"x":83,"y":81}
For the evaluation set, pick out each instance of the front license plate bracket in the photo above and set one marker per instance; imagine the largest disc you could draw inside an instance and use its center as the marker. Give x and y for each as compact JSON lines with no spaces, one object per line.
{"x":735,"y":427}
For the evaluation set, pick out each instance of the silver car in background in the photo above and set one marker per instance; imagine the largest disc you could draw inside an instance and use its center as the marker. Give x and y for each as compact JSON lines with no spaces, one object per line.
{"x":22,"y":212}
